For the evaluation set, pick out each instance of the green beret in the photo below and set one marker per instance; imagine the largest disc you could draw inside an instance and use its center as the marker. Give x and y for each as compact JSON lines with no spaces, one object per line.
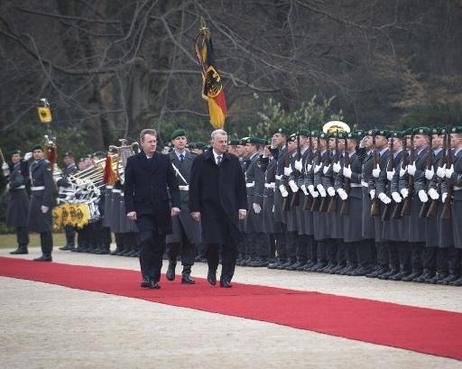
{"x":234,"y":142}
{"x":37,"y":147}
{"x":256,"y":140}
{"x":315,"y":133}
{"x":191,"y":145}
{"x":14,"y":152}
{"x":177,"y":133}
{"x":356,"y":135}
{"x":243,"y":140}
{"x":201,"y":145}
{"x":293,"y":137}
{"x":383,"y":132}
{"x":422,"y":131}
{"x":280,"y":130}
{"x":304,"y":132}
{"x":457,"y":129}
{"x":323,"y":135}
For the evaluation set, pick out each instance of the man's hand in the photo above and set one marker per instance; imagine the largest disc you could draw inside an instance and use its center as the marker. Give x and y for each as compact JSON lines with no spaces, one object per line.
{"x":397,"y":197}
{"x":347,"y":172}
{"x":390,"y":175}
{"x":256,"y":208}
{"x":376,"y":172}
{"x":196,"y":216}
{"x":174,"y":211}
{"x":298,"y":165}
{"x":242,"y":214}
{"x":44,"y":209}
{"x":131,"y":215}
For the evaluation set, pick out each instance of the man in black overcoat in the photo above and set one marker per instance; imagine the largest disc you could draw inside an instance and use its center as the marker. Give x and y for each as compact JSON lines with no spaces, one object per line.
{"x":217,"y":197}
{"x":152,"y":197}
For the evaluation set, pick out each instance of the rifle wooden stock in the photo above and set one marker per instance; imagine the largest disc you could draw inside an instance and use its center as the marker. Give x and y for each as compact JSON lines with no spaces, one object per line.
{"x":375,"y":207}
{"x":397,"y":210}
{"x":387,"y":211}
{"x":345,"y":208}
{"x":446,"y":212}
{"x":433,"y":209}
{"x":286,"y":202}
{"x":332,"y":207}
{"x":295,"y":201}
{"x":316,"y":204}
{"x":308,"y":202}
{"x":324,"y":204}
{"x":424,"y":209}
{"x":407,"y":202}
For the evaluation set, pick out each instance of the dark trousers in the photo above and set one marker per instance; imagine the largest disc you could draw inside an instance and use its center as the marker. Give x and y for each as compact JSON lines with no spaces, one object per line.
{"x":228,"y":258}
{"x":393,"y":255}
{"x":416,"y":256}
{"x":152,"y":248}
{"x":70,"y":235}
{"x":22,"y":236}
{"x":291,"y":246}
{"x":404,"y":250}
{"x":46,"y":242}
{"x":429,"y":258}
{"x":186,"y":249}
{"x":281,"y":245}
{"x":303,"y":245}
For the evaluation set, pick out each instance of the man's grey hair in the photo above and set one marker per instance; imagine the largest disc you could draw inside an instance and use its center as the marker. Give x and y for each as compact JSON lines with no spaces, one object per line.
{"x":218,"y":132}
{"x":147,"y":131}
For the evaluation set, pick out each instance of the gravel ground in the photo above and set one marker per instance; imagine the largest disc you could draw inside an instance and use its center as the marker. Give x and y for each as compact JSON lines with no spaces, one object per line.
{"x":49,"y":326}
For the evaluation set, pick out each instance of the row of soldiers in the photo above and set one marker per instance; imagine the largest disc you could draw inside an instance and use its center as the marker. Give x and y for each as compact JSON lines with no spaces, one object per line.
{"x":379,"y":203}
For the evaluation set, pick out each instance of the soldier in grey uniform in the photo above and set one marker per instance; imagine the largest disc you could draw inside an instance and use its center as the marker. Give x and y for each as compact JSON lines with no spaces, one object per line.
{"x":71,"y":167}
{"x":18,"y":201}
{"x":186,"y":233}
{"x":39,"y":217}
{"x":258,"y":241}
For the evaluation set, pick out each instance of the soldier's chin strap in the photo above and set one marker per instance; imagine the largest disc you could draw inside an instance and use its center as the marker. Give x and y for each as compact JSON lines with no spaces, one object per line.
{"x":179,"y":174}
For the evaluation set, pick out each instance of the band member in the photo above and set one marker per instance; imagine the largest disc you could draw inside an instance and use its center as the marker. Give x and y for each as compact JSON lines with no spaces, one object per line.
{"x":18,"y":201}
{"x":149,"y":180}
{"x":217,"y":197}
{"x":40,"y":217}
{"x":185,"y":231}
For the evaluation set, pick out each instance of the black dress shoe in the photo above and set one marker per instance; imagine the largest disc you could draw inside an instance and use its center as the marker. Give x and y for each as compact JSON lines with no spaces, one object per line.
{"x":171,"y":272}
{"x":457,"y":282}
{"x":225,"y":284}
{"x":145,"y":283}
{"x":413,"y":276}
{"x":212,"y":278}
{"x":67,"y":247}
{"x":44,"y":258}
{"x":450,"y":278}
{"x":186,"y":279}
{"x":153,"y":284}
{"x":19,"y":251}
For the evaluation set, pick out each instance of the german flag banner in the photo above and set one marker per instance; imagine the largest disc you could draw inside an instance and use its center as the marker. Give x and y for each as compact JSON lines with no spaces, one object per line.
{"x":212,"y":87}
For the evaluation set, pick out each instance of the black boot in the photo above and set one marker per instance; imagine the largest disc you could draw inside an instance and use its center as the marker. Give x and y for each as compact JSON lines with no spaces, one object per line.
{"x":21,"y":250}
{"x":171,"y":270}
{"x":186,"y":276}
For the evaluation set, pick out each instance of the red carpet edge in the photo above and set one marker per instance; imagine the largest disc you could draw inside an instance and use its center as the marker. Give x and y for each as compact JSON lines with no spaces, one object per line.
{"x":429,"y":331}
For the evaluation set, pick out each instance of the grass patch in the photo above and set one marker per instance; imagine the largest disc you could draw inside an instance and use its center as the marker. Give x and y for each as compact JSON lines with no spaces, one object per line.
{"x":8,"y":241}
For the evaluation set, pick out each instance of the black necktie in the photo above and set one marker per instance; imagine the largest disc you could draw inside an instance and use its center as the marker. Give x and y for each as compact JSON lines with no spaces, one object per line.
{"x":218,"y":159}
{"x":181,"y":157}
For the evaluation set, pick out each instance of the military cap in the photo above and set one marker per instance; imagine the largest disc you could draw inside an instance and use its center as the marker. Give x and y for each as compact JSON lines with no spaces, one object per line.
{"x":457,"y":129}
{"x":177,"y":133}
{"x":356,"y":135}
{"x":422,"y":131}
{"x":201,"y":145}
{"x":14,"y":152}
{"x":397,"y":134}
{"x":315,"y":133}
{"x":256,"y":140}
{"x":37,"y":147}
{"x":281,"y":130}
{"x":323,"y":135}
{"x":243,"y":140}
{"x":304,"y":132}
{"x":191,"y":145}
{"x":68,"y":153}
{"x":234,"y":142}
{"x":382,"y":132}
{"x":293,"y":137}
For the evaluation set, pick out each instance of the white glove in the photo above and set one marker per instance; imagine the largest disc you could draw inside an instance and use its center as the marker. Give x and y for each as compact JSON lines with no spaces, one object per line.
{"x":303,"y":188}
{"x":429,"y":173}
{"x":411,"y":169}
{"x":450,"y":172}
{"x":404,"y":192}
{"x":342,"y":193}
{"x":5,"y":166}
{"x":402,"y":172}
{"x":384,"y":198}
{"x":315,"y":194}
{"x":361,"y":143}
{"x":347,"y":172}
{"x":321,"y":190}
{"x":336,"y":167}
{"x":287,"y":171}
{"x":184,"y":188}
{"x":441,"y":171}
{"x":7,"y":187}
{"x":396,"y":197}
{"x":271,"y":185}
{"x":298,"y":165}
{"x":325,"y":169}
{"x":44,"y":209}
{"x":390,"y":175}
{"x":283,"y":191}
{"x":27,"y":156}
{"x":293,"y":186}
{"x":311,"y":190}
{"x":423,"y":196}
{"x":256,"y":208}
{"x":444,"y":195}
{"x":331,"y":191}
{"x":317,"y":168}
{"x":434,"y":195}
{"x":372,"y":194}
{"x":376,"y":172}
{"x":308,"y":168}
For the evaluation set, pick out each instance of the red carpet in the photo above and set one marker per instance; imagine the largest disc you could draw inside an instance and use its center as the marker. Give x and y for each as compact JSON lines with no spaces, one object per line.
{"x":423,"y":330}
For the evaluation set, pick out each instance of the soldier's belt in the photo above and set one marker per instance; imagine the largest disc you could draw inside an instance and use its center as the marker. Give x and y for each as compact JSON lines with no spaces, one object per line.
{"x":355,"y":185}
{"x":278,"y":178}
{"x":183,"y":188}
{"x":249,"y":185}
{"x":19,"y":187}
{"x":364,"y":184}
{"x":37,"y":188}
{"x":457,"y":188}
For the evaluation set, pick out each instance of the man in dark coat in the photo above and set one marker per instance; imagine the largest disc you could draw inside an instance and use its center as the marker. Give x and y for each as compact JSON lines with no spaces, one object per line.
{"x":40,"y":217}
{"x":217,"y":197}
{"x":186,"y":232}
{"x":18,"y":201}
{"x":149,"y":180}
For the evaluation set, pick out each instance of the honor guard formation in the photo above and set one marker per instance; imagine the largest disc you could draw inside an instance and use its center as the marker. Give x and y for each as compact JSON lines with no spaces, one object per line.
{"x":378,"y":203}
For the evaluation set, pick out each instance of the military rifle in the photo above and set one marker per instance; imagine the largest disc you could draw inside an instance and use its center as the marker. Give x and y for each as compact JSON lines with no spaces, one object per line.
{"x":308,"y":203}
{"x":317,"y":201}
{"x":407,"y":202}
{"x":345,"y":208}
{"x":446,"y":212}
{"x":295,"y":201}
{"x":375,"y":206}
{"x":332,"y":207}
{"x":286,"y":200}
{"x":433,"y":209}
{"x":429,"y":165}
{"x":327,"y":160}
{"x":386,"y":215}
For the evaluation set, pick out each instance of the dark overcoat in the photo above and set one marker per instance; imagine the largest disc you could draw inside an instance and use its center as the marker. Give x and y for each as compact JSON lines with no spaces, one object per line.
{"x":151,"y":188}
{"x":18,"y":200}
{"x":217,"y":192}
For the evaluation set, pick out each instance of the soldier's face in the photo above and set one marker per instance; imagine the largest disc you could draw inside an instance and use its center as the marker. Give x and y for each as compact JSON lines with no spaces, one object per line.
{"x":15,"y":158}
{"x":220,"y":143}
{"x":351,"y":144}
{"x":37,"y":154}
{"x":292,"y":146}
{"x":278,"y":139}
{"x":149,"y":144}
{"x":250,"y":149}
{"x":179,"y":143}
{"x":381,"y":142}
{"x":420,"y":141}
{"x":232,"y":149}
{"x":397,"y":143}
{"x":332,"y":143}
{"x":368,"y":142}
{"x":456,"y":140}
